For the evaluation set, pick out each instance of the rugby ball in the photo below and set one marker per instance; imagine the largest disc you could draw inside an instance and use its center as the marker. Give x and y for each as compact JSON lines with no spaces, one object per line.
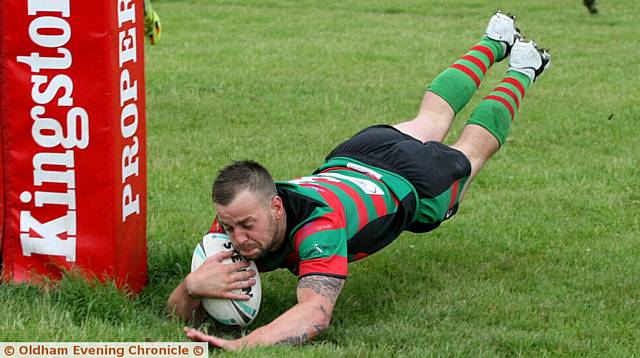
{"x":226,"y":311}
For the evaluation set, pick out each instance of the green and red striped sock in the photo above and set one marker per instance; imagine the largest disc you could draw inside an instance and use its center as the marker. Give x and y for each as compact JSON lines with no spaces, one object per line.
{"x":459,"y":82}
{"x":499,"y":109}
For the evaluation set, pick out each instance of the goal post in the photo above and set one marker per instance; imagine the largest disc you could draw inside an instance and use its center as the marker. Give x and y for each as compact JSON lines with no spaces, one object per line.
{"x":73,"y":138}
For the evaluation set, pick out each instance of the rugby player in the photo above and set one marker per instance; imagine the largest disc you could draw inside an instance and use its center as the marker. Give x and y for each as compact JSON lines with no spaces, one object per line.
{"x":591,"y":5}
{"x":152,"y":25}
{"x":382,"y":181}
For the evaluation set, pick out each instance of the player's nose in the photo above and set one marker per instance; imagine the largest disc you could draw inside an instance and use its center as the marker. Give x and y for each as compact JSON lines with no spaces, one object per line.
{"x":240,"y":237}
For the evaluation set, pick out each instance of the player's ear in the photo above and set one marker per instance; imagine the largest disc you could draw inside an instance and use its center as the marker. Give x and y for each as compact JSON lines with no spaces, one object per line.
{"x":277,"y":207}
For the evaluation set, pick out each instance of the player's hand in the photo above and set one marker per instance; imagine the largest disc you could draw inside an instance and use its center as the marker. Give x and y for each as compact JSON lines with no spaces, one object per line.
{"x":197,"y":336}
{"x":216,"y":280}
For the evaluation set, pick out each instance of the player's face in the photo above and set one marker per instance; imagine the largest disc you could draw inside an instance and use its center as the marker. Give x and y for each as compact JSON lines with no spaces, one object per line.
{"x":250,"y":223}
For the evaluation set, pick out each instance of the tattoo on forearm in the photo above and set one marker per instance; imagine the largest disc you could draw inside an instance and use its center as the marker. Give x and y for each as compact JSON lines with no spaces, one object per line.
{"x":299,"y":339}
{"x":303,"y":337}
{"x":318,"y":328}
{"x":326,"y":314}
{"x":328,"y":287}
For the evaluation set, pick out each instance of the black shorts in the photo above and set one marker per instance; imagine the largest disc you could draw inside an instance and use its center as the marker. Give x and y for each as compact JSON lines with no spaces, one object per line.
{"x":437,"y":171}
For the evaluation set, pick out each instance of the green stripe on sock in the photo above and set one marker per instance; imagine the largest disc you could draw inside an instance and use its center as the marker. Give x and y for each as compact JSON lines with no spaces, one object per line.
{"x":508,"y":98}
{"x":454,"y":87}
{"x":472,"y":66}
{"x":496,"y":48}
{"x":494,"y":117}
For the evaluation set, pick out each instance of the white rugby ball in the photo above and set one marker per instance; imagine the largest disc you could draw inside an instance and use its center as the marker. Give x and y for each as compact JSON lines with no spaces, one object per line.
{"x":231,"y":312}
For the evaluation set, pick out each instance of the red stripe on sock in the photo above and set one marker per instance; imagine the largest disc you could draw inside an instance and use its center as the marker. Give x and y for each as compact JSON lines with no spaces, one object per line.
{"x":486,"y":51}
{"x":510,"y":93}
{"x":503,"y":101}
{"x":476,"y":61}
{"x":468,"y":72}
{"x":517,"y":84}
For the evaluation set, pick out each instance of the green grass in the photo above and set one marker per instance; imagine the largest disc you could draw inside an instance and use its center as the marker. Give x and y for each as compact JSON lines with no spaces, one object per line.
{"x":541,"y":260}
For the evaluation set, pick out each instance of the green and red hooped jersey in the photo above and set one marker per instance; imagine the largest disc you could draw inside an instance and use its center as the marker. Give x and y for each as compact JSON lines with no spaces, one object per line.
{"x":342,"y":213}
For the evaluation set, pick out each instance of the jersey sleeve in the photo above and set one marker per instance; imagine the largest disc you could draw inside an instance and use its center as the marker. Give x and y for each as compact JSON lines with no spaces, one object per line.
{"x":321,"y":245}
{"x":216,"y":228}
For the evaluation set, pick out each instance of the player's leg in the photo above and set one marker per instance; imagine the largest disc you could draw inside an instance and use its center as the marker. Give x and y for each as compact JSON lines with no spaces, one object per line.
{"x":591,"y":5}
{"x":455,"y":86}
{"x":151,"y":23}
{"x":489,"y":124}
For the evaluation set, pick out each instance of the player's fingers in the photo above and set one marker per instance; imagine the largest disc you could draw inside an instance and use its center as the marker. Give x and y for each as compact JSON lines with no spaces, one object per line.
{"x":235,"y":296}
{"x":242,"y":284}
{"x":242,"y":275}
{"x":215,"y":341}
{"x":192,"y":334}
{"x":224,"y":344}
{"x":236,"y":266}
{"x":197,"y":336}
{"x":221,"y":256}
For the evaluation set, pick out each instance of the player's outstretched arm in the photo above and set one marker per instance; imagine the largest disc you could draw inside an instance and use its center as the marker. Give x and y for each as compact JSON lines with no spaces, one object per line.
{"x":183,"y":306}
{"x":317,"y":297}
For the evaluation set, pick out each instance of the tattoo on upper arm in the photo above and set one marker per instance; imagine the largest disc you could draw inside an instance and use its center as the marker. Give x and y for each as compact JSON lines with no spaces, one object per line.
{"x":329,"y":287}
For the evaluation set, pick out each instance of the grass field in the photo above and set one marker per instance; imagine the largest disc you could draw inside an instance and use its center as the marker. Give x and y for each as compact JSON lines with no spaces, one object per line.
{"x":541,"y":260}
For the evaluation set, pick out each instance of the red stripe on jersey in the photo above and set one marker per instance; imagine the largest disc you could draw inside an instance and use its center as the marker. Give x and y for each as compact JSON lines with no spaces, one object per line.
{"x":510,"y":93}
{"x":328,"y":221}
{"x":466,"y":70}
{"x":216,"y":228}
{"x":333,"y":265}
{"x":380,"y":205}
{"x":361,"y":207}
{"x":338,"y":168}
{"x":503,"y":101}
{"x":329,"y":197}
{"x":378,"y":200}
{"x":516,"y":84}
{"x":476,"y":61}
{"x":454,"y":193}
{"x":486,"y":51}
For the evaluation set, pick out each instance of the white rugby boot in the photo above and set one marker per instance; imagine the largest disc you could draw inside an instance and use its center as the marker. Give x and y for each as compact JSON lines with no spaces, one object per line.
{"x":502,"y":28}
{"x":527,"y":58}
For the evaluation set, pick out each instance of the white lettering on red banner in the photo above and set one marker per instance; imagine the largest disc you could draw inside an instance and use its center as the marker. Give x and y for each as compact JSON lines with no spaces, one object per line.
{"x":58,"y":138}
{"x":127,"y":54}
